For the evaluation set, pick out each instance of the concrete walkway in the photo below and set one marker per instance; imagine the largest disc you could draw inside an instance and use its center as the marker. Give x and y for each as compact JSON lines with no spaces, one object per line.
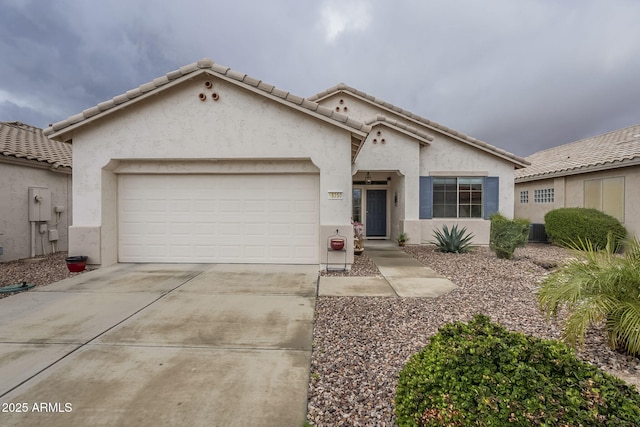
{"x":402,"y":276}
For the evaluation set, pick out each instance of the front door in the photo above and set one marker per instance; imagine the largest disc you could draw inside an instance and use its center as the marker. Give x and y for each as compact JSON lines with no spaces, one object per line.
{"x":376,"y":213}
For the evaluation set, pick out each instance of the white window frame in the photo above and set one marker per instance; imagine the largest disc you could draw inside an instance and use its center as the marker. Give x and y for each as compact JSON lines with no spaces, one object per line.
{"x":461,"y":180}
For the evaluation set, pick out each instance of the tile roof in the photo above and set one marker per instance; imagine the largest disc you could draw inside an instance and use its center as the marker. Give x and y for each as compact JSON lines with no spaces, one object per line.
{"x":607,"y":151}
{"x":23,"y":141}
{"x":341,"y":87}
{"x":207,"y":66}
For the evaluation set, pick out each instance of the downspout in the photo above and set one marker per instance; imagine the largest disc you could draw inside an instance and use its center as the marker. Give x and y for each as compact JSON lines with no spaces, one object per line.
{"x":33,"y":239}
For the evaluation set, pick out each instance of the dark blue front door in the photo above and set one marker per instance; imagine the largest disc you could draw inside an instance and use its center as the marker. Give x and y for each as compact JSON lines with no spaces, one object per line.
{"x":376,"y":213}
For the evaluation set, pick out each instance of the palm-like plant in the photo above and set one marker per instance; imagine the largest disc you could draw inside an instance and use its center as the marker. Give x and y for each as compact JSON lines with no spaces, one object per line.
{"x":456,"y":240}
{"x":598,"y":286}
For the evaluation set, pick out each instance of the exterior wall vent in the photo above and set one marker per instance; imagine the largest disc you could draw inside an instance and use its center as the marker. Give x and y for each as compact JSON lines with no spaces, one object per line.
{"x":537,"y":233}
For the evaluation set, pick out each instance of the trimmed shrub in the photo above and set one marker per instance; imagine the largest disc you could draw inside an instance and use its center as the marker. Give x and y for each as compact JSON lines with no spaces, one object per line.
{"x":568,"y":226}
{"x":506,"y":235}
{"x":456,"y":240}
{"x":480,"y":374}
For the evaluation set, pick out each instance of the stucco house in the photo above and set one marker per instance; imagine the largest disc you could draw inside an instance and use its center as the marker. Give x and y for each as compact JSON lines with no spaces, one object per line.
{"x":601,"y":172}
{"x":206,"y":164}
{"x":35,"y":192}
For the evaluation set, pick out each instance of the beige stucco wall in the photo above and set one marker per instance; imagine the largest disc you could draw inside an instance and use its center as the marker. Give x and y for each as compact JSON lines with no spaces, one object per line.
{"x":535,"y":212}
{"x":15,"y":228}
{"x":176,"y":125}
{"x":569,"y":192}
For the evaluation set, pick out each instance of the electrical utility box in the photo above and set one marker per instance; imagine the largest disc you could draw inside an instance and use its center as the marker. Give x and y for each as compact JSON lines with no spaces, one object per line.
{"x":39,"y":204}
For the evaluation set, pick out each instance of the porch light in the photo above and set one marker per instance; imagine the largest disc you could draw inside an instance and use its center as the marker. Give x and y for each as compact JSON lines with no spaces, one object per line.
{"x":367,"y":178}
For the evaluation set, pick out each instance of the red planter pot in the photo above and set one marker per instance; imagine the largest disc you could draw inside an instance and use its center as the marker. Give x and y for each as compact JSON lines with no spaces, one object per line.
{"x":337,"y":244}
{"x":76,"y":264}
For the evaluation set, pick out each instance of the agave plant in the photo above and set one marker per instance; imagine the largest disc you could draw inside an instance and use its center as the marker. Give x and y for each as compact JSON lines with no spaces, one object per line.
{"x":598,"y":286}
{"x":454,"y":240}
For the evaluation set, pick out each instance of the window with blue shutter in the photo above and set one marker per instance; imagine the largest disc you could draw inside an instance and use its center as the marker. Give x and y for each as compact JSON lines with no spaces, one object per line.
{"x":458,"y":197}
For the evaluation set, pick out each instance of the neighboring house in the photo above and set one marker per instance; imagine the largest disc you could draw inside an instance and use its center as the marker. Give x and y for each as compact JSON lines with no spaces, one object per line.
{"x":206,"y":164}
{"x":602,"y":172}
{"x":35,"y":192}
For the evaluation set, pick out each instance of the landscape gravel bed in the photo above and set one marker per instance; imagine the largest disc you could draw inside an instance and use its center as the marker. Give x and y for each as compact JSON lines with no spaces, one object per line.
{"x":39,"y":271}
{"x":361,"y":344}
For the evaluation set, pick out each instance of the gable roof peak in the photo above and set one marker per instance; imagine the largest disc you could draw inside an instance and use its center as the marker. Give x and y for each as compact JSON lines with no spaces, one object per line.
{"x":205,"y":65}
{"x":518,"y":161}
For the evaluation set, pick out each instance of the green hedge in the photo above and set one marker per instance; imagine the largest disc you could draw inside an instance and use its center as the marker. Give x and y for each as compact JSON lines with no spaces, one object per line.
{"x":568,"y":226}
{"x":480,"y":374}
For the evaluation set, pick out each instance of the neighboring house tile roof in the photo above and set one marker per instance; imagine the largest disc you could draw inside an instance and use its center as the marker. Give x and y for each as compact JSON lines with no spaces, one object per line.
{"x":341,"y":87}
{"x":611,"y":150}
{"x":207,"y":66}
{"x":21,"y":141}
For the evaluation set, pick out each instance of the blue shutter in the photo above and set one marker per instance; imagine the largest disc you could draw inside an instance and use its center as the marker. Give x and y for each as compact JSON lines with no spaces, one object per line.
{"x":426,"y":198}
{"x":491,"y":195}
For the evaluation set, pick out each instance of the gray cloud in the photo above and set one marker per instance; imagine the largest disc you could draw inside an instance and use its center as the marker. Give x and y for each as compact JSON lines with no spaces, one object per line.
{"x":522,"y":75}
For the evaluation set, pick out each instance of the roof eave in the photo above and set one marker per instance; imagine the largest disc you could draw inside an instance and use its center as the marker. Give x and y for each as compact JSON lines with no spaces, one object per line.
{"x":119,"y":104}
{"x":34,"y":163}
{"x":580,"y":170}
{"x":517,"y":161}
{"x":304,"y":106}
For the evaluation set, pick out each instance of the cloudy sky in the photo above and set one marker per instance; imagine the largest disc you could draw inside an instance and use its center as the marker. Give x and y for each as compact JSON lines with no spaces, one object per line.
{"x":520,"y":74}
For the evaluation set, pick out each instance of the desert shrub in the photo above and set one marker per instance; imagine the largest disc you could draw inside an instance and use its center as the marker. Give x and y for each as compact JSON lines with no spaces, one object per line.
{"x":480,"y":374}
{"x":454,"y":240}
{"x":567,"y":226}
{"x":506,"y":235}
{"x":598,"y":286}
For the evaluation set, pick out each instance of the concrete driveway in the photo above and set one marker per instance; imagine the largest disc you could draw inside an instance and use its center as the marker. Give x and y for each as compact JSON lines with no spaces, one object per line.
{"x":160,"y":345}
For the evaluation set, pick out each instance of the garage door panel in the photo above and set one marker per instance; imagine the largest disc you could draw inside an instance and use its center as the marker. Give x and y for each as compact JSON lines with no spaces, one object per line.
{"x":255,"y":230}
{"x":218,"y":218}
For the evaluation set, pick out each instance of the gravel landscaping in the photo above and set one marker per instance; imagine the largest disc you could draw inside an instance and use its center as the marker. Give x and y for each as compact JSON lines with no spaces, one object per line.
{"x":39,"y":271}
{"x":361,"y":344}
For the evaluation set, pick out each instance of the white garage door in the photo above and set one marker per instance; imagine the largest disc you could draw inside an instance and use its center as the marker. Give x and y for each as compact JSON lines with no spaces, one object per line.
{"x":218,"y":218}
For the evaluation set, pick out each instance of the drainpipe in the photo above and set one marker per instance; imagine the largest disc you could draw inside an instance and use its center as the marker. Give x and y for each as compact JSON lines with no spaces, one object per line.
{"x":33,"y":239}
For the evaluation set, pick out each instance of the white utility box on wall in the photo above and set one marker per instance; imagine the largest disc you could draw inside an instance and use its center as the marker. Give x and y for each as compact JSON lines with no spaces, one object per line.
{"x":39,"y":204}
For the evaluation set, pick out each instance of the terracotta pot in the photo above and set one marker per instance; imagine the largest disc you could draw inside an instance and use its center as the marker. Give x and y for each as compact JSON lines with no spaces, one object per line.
{"x":337,"y":244}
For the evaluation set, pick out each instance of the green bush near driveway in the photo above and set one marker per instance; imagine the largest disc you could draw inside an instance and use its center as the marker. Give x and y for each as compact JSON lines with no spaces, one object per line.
{"x":480,"y":374}
{"x":507,"y":234}
{"x":568,"y":226}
